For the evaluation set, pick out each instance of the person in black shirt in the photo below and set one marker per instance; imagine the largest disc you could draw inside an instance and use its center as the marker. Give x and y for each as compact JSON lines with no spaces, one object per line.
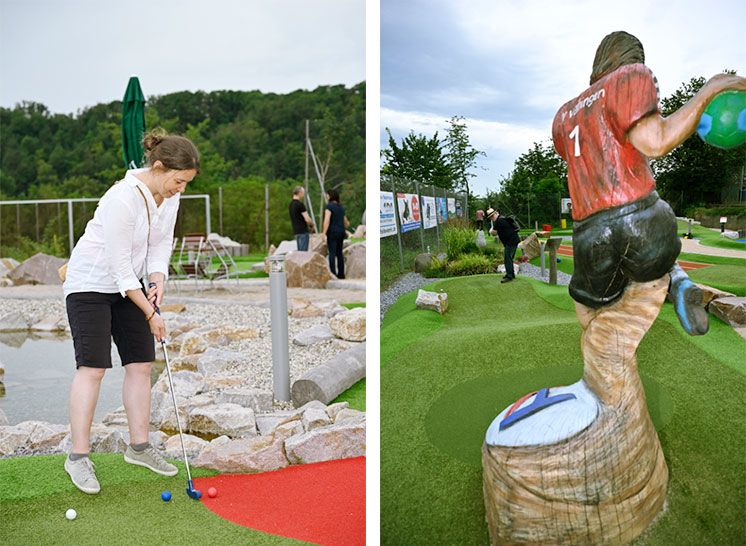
{"x":335,"y":224}
{"x":299,"y":218}
{"x":508,"y":236}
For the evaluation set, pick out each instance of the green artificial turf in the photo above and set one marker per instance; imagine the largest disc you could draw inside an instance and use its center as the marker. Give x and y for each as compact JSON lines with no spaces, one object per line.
{"x":353,"y":305}
{"x":354,"y":396}
{"x":731,"y":278}
{"x":710,"y":237}
{"x":35,"y":493}
{"x":441,"y":386}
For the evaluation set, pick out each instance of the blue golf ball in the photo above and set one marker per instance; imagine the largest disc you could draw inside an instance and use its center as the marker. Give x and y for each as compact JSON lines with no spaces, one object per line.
{"x":166,"y":496}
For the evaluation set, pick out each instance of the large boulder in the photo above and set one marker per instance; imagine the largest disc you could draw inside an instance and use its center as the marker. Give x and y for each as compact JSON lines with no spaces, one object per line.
{"x":7,"y":265}
{"x":13,"y":322}
{"x":324,"y":383}
{"x":349,"y":325}
{"x":193,"y":446}
{"x":315,"y":334}
{"x":359,"y":232}
{"x":317,"y":243}
{"x":306,"y":270}
{"x":256,"y":399}
{"x":260,"y":454}
{"x":285,"y":247}
{"x":327,"y":443}
{"x":434,"y":301}
{"x":354,"y":256}
{"x":229,"y":419}
{"x":422,"y":262}
{"x":38,"y":269}
{"x":731,"y":310}
{"x":51,"y":323}
{"x":200,"y":339}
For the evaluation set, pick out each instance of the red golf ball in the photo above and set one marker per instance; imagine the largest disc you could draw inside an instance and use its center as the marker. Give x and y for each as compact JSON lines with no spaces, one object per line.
{"x":212,"y":492}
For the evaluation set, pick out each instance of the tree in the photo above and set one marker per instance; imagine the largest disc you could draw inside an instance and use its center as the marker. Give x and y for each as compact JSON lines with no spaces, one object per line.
{"x":418,"y":158}
{"x":694,"y":172}
{"x":461,"y":156}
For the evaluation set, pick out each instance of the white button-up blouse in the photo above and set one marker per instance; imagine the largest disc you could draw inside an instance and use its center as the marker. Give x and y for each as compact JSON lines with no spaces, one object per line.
{"x":113,"y":253}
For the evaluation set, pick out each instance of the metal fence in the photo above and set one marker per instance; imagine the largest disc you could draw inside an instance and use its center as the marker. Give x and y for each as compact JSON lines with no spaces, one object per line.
{"x":413,"y":215}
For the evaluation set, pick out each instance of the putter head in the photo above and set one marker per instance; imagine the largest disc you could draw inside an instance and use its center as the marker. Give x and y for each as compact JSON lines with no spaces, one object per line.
{"x":192,"y":492}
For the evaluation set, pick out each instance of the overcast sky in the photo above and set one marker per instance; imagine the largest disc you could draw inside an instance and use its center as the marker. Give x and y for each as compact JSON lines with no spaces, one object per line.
{"x":76,"y":53}
{"x":508,"y":66}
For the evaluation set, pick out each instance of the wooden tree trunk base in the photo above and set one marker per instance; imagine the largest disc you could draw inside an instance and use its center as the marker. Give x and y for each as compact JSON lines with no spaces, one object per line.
{"x":603,"y":485}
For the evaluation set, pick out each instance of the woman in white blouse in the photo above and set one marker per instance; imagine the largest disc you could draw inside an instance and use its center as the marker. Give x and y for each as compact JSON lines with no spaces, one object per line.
{"x":130,"y":237}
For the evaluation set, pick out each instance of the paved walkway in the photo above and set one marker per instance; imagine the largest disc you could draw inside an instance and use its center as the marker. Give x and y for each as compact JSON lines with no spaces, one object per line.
{"x":693,"y":246}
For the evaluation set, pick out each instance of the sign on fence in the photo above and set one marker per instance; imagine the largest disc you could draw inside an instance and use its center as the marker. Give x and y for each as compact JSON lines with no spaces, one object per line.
{"x":388,"y":218}
{"x":451,"y":206}
{"x":442,"y":210}
{"x":429,"y":215}
{"x":566,"y":207}
{"x":409,"y":211}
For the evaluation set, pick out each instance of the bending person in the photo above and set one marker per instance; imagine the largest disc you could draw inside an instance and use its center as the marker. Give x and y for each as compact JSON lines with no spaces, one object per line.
{"x":622,"y":231}
{"x":130,"y":235}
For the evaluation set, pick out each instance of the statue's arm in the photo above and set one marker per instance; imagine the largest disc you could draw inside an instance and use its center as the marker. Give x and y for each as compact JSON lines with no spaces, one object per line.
{"x":655,"y":136}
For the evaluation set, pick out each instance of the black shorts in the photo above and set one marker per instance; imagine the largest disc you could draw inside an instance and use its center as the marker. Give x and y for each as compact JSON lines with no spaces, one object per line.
{"x":635,"y":242}
{"x":96,"y":317}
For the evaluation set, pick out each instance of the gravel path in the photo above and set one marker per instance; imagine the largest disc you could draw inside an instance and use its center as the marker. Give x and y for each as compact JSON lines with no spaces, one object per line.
{"x":414,"y":281}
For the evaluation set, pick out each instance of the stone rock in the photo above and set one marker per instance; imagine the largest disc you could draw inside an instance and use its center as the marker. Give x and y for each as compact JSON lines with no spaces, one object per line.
{"x":38,"y":269}
{"x":229,"y":419}
{"x":186,"y":384}
{"x":220,"y":382}
{"x":5,"y":281}
{"x":434,"y":301}
{"x":103,"y":439}
{"x":324,"y":383}
{"x":315,"y":334}
{"x":118,"y":417}
{"x":272,"y":250}
{"x":7,"y":265}
{"x":349,"y":415}
{"x":260,"y":454}
{"x":192,"y":444}
{"x":349,"y":325}
{"x":333,"y":409}
{"x":422,"y":262}
{"x":256,"y":399}
{"x":11,"y":439}
{"x":3,"y":418}
{"x":2,"y":373}
{"x":731,"y":310}
{"x":213,"y":361}
{"x":258,"y":266}
{"x":326,"y":443}
{"x":173,"y":308}
{"x":531,"y":247}
{"x":304,"y":308}
{"x":354,"y":256}
{"x":317,"y":243}
{"x":50,"y":323}
{"x":359,"y":232}
{"x":185,"y":363}
{"x":315,"y":418}
{"x":220,"y":440}
{"x":286,"y":247}
{"x":193,"y":343}
{"x":332,"y":308}
{"x":306,"y":270}
{"x":266,"y":423}
{"x":342,"y":345}
{"x":711,"y":293}
{"x":13,"y":322}
{"x":162,"y":413}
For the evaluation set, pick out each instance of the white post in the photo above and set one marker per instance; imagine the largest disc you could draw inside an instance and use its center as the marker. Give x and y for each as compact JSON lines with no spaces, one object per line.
{"x":208,"y":226}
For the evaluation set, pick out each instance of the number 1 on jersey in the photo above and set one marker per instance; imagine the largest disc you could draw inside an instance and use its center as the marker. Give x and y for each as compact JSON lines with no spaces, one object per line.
{"x":575,"y":133}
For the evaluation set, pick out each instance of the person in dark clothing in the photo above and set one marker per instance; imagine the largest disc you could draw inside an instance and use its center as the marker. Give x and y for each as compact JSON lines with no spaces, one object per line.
{"x":508,"y":236}
{"x":335,"y":224}
{"x":299,"y":218}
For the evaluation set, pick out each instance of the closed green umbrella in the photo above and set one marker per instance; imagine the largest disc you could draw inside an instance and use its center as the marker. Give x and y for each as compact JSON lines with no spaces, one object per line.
{"x":133,"y":124}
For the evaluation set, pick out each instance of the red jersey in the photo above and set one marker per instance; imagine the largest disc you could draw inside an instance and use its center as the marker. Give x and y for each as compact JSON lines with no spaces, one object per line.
{"x":590,"y":133}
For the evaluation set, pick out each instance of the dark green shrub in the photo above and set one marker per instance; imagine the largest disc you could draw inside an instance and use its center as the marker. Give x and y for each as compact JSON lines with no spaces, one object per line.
{"x":459,"y":241}
{"x":471,"y":264}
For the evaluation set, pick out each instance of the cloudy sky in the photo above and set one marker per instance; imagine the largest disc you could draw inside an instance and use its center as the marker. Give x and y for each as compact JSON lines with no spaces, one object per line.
{"x":76,"y":53}
{"x":507,"y":66}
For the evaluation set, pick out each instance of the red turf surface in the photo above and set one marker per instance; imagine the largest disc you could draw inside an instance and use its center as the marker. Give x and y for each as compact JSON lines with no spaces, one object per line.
{"x":322,"y":503}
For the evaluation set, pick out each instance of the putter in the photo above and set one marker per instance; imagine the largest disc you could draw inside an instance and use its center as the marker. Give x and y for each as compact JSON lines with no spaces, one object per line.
{"x":191,"y":491}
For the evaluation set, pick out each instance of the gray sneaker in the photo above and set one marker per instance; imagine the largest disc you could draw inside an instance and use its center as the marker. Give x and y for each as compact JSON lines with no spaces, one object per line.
{"x":83,"y":474}
{"x":150,"y":458}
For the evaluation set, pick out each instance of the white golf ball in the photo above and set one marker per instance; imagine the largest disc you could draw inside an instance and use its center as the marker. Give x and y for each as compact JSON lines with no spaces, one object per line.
{"x":71,"y":514}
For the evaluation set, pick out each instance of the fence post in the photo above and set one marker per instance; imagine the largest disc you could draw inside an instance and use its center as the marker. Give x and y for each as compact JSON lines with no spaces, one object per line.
{"x":220,"y":208}
{"x":36,"y":206}
{"x":422,"y":220}
{"x":208,"y":226}
{"x":266,"y":217}
{"x":398,"y":225}
{"x":70,"y":231}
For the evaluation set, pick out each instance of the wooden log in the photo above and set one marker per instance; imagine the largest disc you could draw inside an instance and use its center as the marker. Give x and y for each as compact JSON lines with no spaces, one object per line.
{"x":604,"y":484}
{"x":326,"y":382}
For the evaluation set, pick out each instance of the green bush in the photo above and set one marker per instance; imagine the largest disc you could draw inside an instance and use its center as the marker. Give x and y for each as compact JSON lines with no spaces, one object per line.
{"x":471,"y":264}
{"x":437,"y":268}
{"x":459,"y":241}
{"x":724,"y":210}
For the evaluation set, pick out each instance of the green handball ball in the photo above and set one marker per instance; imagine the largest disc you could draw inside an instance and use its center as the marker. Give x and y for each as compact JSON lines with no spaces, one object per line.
{"x":723,"y":123}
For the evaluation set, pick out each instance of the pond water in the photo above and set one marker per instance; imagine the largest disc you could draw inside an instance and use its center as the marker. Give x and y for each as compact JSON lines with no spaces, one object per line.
{"x":38,"y":373}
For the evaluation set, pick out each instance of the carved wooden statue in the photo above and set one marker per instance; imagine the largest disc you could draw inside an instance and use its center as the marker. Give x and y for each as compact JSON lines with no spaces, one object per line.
{"x":582,"y":464}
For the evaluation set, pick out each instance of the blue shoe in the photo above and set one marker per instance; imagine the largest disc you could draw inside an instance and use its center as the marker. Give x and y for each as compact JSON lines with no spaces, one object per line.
{"x":688,"y":301}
